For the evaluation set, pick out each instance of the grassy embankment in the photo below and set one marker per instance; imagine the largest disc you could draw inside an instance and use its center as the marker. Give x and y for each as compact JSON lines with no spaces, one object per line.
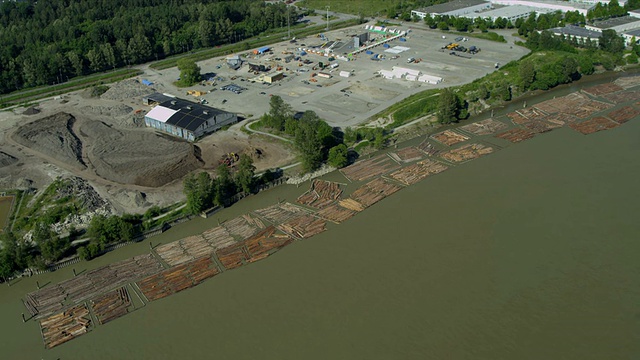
{"x":33,"y":94}
{"x":361,"y":7}
{"x":265,"y":39}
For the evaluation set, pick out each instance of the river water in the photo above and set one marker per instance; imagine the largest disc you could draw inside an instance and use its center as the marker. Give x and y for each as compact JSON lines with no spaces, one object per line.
{"x":528,"y":253}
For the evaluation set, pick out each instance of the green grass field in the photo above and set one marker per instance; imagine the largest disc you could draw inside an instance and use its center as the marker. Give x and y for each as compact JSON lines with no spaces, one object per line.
{"x":356,"y":7}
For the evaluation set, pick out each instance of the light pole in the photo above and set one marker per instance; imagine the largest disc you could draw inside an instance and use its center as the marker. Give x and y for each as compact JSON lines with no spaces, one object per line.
{"x":327,"y":17}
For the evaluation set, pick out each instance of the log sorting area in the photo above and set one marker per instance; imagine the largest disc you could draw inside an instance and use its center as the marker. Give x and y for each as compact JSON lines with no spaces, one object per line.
{"x":449,"y":137}
{"x":467,"y":152}
{"x":484,"y":127}
{"x":85,"y":286}
{"x":367,"y":169}
{"x":65,"y":310}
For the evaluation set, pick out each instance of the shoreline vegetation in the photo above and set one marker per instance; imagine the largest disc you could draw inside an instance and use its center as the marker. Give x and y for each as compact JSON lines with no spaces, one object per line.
{"x":65,"y":310}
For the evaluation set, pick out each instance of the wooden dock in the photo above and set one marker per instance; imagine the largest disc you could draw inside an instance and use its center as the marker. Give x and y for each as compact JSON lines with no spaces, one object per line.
{"x":367,"y":169}
{"x":64,"y":326}
{"x":429,"y":149}
{"x":418,"y":171}
{"x":321,"y":194}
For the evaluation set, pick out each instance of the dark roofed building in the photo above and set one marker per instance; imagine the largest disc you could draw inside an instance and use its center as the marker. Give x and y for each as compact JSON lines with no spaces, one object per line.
{"x":156,"y":98}
{"x":186,"y":119}
{"x":577,"y":32}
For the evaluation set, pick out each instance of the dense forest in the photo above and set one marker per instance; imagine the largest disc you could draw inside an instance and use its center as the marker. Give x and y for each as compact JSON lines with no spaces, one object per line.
{"x":48,"y":42}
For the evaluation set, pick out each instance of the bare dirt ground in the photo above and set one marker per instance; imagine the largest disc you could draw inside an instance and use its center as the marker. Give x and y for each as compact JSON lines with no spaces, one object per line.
{"x":103,"y":141}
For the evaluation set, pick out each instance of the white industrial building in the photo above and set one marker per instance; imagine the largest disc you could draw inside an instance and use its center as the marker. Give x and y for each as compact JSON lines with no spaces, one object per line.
{"x":619,"y":24}
{"x":548,"y":5}
{"x":509,"y":13}
{"x":453,"y":8}
{"x":579,"y":33}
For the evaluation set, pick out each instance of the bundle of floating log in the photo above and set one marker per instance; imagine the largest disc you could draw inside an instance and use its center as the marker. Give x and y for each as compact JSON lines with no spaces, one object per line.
{"x":280,"y":213}
{"x":617,"y":98}
{"x":265,"y":243}
{"x":416,"y":172}
{"x":467,"y":152}
{"x":484,"y":127}
{"x":366,"y":169}
{"x":183,"y":250}
{"x":407,"y":154}
{"x":602,"y":89}
{"x":304,"y":226}
{"x":449,"y":137}
{"x":178,"y":278}
{"x":111,"y":305}
{"x":593,"y":125}
{"x":352,"y":205}
{"x":338,"y":213}
{"x":83,"y":287}
{"x":428,"y":148}
{"x":623,"y":114}
{"x":374,"y":191}
{"x":243,"y":226}
{"x":218,"y":237}
{"x":516,"y":135}
{"x":232,"y":256}
{"x":321,"y":194}
{"x":67,"y":325}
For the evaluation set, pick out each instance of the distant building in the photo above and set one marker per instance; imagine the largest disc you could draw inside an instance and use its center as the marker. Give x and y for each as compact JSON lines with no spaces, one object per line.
{"x":453,"y":8}
{"x":619,"y":24}
{"x":186,"y":119}
{"x":273,"y":77}
{"x":234,"y":62}
{"x":509,"y":13}
{"x":579,"y":33}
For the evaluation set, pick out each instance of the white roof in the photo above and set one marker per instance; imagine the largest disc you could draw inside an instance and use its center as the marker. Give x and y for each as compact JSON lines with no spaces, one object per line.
{"x":161,"y":113}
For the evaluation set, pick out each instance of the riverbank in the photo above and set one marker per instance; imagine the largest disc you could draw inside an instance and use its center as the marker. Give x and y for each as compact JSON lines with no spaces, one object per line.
{"x":391,"y":173}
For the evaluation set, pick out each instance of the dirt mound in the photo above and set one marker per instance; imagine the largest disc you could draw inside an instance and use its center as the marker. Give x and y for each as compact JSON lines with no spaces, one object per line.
{"x":117,"y":110}
{"x":138,"y":157}
{"x":127,"y":89}
{"x":31,"y":111}
{"x":82,"y":192}
{"x":53,"y":136}
{"x":6,"y":159}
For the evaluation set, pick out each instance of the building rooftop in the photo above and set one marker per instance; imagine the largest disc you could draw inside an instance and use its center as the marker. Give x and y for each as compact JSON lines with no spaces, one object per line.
{"x":542,"y":3}
{"x":451,"y":6}
{"x":576,"y":31}
{"x":186,"y":114}
{"x":157,"y":98}
{"x":634,"y":32}
{"x":613,"y":22}
{"x":504,"y":12}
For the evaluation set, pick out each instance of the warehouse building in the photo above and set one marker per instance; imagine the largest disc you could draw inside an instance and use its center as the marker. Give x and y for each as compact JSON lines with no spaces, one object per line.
{"x":186,"y":119}
{"x":453,"y":8}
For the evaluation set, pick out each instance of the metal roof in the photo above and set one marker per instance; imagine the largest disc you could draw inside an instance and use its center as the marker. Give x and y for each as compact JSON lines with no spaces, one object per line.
{"x":613,"y":22}
{"x":451,"y":6}
{"x":161,"y":113}
{"x":573,"y":30}
{"x":186,"y":114}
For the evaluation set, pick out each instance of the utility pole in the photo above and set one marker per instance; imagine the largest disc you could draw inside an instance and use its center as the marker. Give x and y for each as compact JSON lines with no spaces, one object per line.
{"x":327,"y":17}
{"x":288,"y":22}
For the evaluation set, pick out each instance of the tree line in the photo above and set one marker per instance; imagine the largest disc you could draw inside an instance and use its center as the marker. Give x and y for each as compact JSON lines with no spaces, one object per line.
{"x":47,"y":42}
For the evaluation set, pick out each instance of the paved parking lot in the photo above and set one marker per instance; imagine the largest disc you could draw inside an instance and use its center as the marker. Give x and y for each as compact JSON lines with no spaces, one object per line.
{"x":343,"y":101}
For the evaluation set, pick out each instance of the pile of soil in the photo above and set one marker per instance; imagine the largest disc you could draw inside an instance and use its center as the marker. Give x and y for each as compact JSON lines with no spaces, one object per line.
{"x":138,"y":157}
{"x":6,"y":159}
{"x":53,"y":136}
{"x":117,"y":110}
{"x":31,"y":111}
{"x":127,"y":89}
{"x":83,"y":192}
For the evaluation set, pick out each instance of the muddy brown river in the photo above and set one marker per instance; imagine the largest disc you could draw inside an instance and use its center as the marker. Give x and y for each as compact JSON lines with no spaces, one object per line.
{"x":528,"y":253}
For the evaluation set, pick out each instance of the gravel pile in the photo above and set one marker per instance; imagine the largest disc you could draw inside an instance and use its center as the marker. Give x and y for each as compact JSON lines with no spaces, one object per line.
{"x":110,"y":111}
{"x":6,"y":159}
{"x":127,"y":89}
